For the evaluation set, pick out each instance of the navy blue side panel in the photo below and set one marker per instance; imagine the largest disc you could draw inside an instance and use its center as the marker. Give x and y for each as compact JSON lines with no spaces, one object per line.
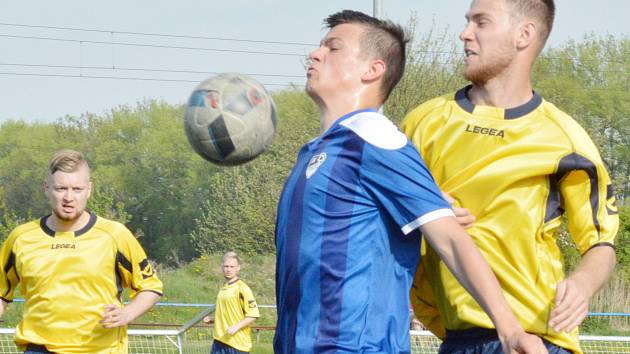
{"x":7,"y":268}
{"x":286,"y":331}
{"x":572,"y":162}
{"x":126,"y":264}
{"x":343,"y":182}
{"x":119,"y":287}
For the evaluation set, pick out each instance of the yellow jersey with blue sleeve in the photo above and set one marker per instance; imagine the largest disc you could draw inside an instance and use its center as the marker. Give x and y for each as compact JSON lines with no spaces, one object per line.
{"x":518,"y":171}
{"x":66,"y":279}
{"x":235,"y":301}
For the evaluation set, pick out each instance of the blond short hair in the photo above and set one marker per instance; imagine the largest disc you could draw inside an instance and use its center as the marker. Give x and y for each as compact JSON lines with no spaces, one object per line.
{"x":541,"y":11}
{"x":231,"y":255}
{"x":66,"y":161}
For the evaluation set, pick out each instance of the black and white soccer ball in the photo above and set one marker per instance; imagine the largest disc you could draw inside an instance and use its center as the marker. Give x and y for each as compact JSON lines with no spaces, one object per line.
{"x":230,"y":119}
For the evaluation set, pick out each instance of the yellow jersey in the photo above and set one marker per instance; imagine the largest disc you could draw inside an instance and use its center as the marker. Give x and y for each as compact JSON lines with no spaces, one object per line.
{"x":67,"y":278}
{"x":235,"y":301}
{"x":518,"y":171}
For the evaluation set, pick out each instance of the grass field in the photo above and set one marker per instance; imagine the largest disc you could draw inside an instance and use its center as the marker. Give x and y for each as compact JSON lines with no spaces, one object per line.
{"x":200,"y":280}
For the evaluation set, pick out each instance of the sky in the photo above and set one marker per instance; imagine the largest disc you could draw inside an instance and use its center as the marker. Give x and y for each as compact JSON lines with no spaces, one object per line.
{"x":69,"y":57}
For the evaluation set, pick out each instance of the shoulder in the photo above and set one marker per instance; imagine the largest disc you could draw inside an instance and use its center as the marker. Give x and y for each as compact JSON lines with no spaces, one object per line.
{"x":375,"y":129}
{"x":575,"y":134}
{"x":242,"y":284}
{"x":27,"y":227}
{"x":428,"y":109}
{"x":23,"y":229}
{"x":114,"y":229}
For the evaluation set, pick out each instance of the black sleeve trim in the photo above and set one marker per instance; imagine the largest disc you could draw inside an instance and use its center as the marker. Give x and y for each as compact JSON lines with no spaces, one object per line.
{"x":7,"y":268}
{"x":124,"y":261}
{"x":152,"y":291}
{"x":5,"y":300}
{"x":601,"y":244}
{"x":569,"y":163}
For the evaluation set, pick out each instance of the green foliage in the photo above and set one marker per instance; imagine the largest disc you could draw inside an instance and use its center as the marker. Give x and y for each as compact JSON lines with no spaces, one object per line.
{"x":433,"y":69}
{"x":622,"y":244}
{"x":240,"y":211}
{"x":8,"y":221}
{"x":180,"y":206}
{"x":589,"y":81}
{"x":200,"y":281}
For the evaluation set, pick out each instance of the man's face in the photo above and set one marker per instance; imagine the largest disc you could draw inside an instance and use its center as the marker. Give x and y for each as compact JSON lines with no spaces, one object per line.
{"x":338,"y":64}
{"x":68,"y":193}
{"x":230,"y":268}
{"x":488,"y":40}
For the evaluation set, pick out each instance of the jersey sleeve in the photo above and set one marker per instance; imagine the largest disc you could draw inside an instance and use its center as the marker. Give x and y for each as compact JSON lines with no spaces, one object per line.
{"x":8,"y":273}
{"x":136,"y":271}
{"x":403,"y":186}
{"x":250,"y":308}
{"x":589,"y":204}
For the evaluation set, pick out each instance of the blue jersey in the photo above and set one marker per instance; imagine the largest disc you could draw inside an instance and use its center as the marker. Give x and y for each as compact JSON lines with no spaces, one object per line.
{"x":346,"y":246}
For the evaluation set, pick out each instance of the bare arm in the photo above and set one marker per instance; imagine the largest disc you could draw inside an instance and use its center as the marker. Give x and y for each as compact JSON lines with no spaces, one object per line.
{"x":460,"y":254}
{"x":115,"y":316}
{"x":241,"y":324}
{"x":574,"y":292}
{"x":3,"y":306}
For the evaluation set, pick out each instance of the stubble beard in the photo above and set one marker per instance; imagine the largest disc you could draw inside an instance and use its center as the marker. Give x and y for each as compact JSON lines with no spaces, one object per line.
{"x":480,"y":74}
{"x":68,"y":218}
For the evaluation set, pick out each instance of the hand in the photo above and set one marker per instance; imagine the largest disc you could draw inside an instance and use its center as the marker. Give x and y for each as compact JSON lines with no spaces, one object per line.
{"x":207,"y":320}
{"x":463,"y":216}
{"x":523,"y":343}
{"x":232,"y":330}
{"x":571,"y":306}
{"x":114,"y":316}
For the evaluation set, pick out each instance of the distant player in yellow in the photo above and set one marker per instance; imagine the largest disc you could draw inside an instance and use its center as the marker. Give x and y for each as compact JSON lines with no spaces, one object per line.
{"x":235,"y":311}
{"x":72,"y":266}
{"x":518,"y":164}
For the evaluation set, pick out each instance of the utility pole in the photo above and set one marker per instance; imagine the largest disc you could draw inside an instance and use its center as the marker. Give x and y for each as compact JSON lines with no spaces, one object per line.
{"x":378,"y":13}
{"x":378,"y":9}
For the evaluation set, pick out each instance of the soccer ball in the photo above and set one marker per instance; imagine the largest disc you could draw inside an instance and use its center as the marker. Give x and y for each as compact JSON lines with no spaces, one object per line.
{"x":230,"y":119}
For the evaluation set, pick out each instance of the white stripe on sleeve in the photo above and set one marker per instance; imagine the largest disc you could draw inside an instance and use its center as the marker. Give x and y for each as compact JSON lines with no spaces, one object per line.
{"x":434,"y":215}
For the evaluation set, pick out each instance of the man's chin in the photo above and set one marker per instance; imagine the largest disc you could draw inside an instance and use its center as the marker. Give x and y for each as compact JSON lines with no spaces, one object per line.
{"x":67,"y":217}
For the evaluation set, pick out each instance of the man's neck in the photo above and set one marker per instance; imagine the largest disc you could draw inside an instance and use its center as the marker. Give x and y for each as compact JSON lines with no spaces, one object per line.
{"x":58,"y":225}
{"x":232,"y":280}
{"x":332,"y":111}
{"x":506,"y":91}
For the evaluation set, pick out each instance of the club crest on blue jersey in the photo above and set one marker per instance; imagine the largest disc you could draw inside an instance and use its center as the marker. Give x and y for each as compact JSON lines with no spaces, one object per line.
{"x":314,"y":164}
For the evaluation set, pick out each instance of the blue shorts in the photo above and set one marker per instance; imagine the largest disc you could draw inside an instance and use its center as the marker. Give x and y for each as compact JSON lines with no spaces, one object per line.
{"x":36,"y":349}
{"x":482,"y":341}
{"x":222,"y":348}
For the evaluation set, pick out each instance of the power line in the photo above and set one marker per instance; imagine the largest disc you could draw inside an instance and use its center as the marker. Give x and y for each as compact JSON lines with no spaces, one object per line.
{"x":451,"y":53}
{"x":252,"y":40}
{"x":156,"y":34}
{"x":140,"y":69}
{"x":151,"y":45}
{"x":121,"y":78}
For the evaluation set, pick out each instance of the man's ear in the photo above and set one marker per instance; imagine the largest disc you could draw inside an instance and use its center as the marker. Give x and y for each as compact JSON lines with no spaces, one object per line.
{"x":375,"y":70}
{"x":527,"y":35}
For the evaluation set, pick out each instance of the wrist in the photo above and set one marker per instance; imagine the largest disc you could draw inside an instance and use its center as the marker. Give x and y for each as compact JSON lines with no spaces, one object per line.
{"x":507,"y":325}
